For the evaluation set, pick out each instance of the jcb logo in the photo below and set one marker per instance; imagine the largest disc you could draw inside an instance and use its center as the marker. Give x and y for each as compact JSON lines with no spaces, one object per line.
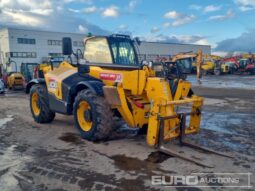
{"x":111,"y":77}
{"x":53,"y":84}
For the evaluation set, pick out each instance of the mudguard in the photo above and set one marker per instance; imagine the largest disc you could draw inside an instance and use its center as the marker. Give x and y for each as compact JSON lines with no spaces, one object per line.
{"x":33,"y":82}
{"x":71,"y":88}
{"x":95,"y":86}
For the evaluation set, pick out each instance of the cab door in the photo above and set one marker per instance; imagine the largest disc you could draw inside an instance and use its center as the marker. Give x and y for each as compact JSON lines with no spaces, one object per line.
{"x":113,"y":60}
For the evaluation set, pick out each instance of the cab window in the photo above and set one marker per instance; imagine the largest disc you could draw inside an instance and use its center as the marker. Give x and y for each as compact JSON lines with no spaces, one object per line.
{"x":185,"y":65}
{"x":123,"y":52}
{"x":97,"y":51}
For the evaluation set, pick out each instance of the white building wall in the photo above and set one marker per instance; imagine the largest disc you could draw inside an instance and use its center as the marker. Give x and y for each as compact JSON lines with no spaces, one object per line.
{"x":154,"y":49}
{"x":41,"y":46}
{"x":4,"y":47}
{"x":9,"y":43}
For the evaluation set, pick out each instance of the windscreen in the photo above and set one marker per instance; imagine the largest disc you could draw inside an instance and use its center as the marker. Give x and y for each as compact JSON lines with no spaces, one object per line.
{"x":243,"y":63}
{"x":185,"y":65}
{"x":97,"y":51}
{"x":1,"y":83}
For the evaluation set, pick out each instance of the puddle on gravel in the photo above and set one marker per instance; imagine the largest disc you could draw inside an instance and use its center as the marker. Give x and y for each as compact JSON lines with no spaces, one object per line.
{"x":4,"y":121}
{"x":134,"y":164}
{"x":228,"y":81}
{"x":131,"y":164}
{"x":72,"y":138}
{"x":228,"y":123}
{"x":157,"y":157}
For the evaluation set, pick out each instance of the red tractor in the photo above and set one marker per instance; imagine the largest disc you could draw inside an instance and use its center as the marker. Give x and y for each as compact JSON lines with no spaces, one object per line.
{"x":246,"y":66}
{"x":240,"y":65}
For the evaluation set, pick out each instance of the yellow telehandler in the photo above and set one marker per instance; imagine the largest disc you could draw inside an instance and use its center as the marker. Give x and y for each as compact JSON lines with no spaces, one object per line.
{"x":110,"y":81}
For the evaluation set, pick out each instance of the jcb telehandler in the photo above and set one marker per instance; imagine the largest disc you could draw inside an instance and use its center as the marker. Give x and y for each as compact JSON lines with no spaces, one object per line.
{"x":110,"y":81}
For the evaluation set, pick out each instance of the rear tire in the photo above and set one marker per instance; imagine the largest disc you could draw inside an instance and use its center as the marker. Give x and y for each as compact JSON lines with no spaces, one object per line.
{"x":217,"y":72}
{"x":203,"y":72}
{"x":93,"y":116}
{"x":39,"y":104}
{"x":252,"y":72}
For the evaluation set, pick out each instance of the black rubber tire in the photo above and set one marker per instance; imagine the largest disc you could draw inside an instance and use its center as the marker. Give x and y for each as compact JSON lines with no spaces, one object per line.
{"x":102,"y":116}
{"x":143,"y":130}
{"x":252,"y":71}
{"x":217,"y":72}
{"x":46,"y":115}
{"x":203,"y":72}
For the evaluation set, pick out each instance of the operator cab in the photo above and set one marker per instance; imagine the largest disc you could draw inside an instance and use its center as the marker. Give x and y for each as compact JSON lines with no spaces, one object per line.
{"x":173,"y":70}
{"x":243,"y":63}
{"x":114,"y":50}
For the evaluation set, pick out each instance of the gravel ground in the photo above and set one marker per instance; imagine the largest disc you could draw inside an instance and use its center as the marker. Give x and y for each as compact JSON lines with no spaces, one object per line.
{"x":54,"y":157}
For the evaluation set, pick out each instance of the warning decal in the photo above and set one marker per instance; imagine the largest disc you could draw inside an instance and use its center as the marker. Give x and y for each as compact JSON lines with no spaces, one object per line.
{"x":111,"y":77}
{"x":52,"y":84}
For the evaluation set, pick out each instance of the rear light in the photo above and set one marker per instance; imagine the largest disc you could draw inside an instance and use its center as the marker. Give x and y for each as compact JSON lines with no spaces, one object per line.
{"x":138,"y":104}
{"x":36,"y":70}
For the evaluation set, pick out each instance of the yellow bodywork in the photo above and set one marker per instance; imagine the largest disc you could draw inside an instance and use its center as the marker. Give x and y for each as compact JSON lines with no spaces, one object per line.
{"x":248,"y":55}
{"x":140,"y":97}
{"x":224,"y":68}
{"x":208,"y":62}
{"x":208,"y":65}
{"x":44,"y":68}
{"x":15,"y":80}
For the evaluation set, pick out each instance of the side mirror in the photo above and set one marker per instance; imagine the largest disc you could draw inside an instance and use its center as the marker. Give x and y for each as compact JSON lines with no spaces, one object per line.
{"x":67,"y":46}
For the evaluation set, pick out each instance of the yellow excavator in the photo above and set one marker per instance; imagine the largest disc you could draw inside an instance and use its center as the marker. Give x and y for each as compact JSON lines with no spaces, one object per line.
{"x":110,"y":81}
{"x":185,"y":61}
{"x":208,"y":64}
{"x":188,"y":61}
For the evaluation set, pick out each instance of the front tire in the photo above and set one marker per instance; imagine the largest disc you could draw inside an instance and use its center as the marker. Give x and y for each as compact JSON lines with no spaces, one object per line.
{"x":93,"y":116}
{"x":39,"y":104}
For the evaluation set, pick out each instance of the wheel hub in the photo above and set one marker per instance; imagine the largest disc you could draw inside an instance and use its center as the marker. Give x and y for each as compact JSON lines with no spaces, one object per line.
{"x":87,"y":115}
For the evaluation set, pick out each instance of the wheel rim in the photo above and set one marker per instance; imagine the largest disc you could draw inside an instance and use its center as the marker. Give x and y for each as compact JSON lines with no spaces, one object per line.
{"x":35,"y":105}
{"x":84,"y":116}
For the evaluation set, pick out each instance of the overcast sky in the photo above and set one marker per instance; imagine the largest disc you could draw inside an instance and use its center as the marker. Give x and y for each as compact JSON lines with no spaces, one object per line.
{"x":227,"y":25}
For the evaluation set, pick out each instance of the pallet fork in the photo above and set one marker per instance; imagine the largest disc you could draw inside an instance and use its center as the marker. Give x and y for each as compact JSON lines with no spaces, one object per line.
{"x":183,"y":142}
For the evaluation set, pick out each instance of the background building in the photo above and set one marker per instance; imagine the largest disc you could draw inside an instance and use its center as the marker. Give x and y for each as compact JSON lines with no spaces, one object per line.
{"x":152,"y":50}
{"x":32,"y":46}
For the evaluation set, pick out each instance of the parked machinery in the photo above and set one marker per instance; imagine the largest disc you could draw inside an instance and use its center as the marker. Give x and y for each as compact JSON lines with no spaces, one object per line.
{"x":27,"y":70}
{"x":14,"y":80}
{"x":239,"y":64}
{"x":110,"y":81}
{"x":2,"y":86}
{"x":246,"y":66}
{"x":207,"y":66}
{"x":185,"y":63}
